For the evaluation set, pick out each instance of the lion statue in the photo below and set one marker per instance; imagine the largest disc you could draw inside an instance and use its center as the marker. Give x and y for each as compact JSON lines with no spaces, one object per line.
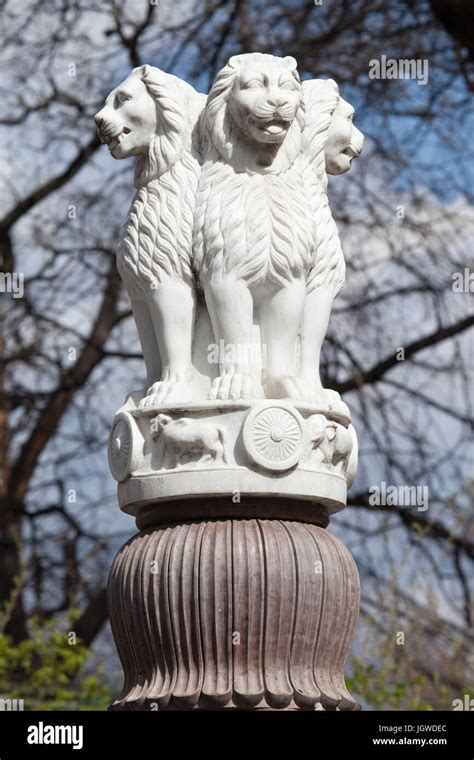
{"x":152,"y":116}
{"x":264,"y":237}
{"x":332,"y":141}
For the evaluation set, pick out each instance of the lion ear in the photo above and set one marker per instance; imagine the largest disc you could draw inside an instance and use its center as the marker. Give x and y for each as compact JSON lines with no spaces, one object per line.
{"x":234,"y":61}
{"x":142,"y":71}
{"x":290,"y":62}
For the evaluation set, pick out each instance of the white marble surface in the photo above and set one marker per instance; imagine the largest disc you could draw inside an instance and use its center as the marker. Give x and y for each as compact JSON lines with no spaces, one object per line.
{"x":232,"y":261}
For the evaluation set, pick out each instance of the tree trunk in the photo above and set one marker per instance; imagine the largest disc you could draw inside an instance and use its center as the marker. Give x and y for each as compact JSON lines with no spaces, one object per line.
{"x":12,"y":613}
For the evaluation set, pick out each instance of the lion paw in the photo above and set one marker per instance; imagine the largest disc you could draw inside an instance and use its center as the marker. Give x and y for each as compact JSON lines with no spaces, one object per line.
{"x":325,"y":396}
{"x":319,"y":395}
{"x":285,"y":386}
{"x":231,"y":387}
{"x":332,"y":397}
{"x":166,"y":391}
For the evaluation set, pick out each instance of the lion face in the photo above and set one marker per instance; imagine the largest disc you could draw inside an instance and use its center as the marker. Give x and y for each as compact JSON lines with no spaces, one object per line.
{"x":265,"y":98}
{"x":128,"y":121}
{"x":344,"y":141}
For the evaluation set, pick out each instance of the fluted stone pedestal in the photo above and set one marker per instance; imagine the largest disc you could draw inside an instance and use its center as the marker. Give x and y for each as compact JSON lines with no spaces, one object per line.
{"x":242,"y":600}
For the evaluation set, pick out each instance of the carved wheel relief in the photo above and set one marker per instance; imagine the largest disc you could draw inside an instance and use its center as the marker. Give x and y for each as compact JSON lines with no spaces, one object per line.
{"x":273,"y":436}
{"x":125,"y":447}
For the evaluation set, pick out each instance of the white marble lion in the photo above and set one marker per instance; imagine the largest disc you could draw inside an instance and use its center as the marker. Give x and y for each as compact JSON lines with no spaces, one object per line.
{"x":152,"y":117}
{"x":265,"y":244}
{"x":231,"y":194}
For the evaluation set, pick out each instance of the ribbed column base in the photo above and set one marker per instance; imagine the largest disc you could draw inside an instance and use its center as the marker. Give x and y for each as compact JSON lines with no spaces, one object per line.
{"x":234,"y":614}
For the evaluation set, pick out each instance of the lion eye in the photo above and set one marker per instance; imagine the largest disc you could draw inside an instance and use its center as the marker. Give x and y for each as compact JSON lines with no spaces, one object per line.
{"x":287,"y":86}
{"x":253,"y":84}
{"x":120,"y":99}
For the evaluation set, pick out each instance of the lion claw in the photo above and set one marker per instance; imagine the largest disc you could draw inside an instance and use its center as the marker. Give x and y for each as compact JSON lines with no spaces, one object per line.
{"x":165,"y":391}
{"x":231,"y":387}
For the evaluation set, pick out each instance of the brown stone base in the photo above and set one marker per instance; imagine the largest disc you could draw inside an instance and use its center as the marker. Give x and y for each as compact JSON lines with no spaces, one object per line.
{"x":234,"y":614}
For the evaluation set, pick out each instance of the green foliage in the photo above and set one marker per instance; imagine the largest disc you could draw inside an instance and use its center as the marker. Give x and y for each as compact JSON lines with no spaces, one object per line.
{"x":396,"y":685}
{"x":45,"y":671}
{"x":377,"y":688}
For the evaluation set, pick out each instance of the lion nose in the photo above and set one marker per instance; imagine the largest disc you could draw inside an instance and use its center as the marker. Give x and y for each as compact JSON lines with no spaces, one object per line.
{"x":277,"y":102}
{"x":99,"y":120}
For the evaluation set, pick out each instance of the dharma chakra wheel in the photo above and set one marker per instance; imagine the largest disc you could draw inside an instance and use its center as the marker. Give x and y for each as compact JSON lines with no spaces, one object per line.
{"x":124,"y":448}
{"x":273,"y":436}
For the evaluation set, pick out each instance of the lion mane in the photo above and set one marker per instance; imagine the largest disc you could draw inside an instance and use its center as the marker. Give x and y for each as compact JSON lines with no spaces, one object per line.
{"x":157,"y":235}
{"x":328,"y":269}
{"x":256,"y":223}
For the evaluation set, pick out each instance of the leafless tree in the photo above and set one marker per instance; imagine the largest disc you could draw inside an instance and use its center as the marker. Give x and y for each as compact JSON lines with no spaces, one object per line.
{"x":399,"y":346}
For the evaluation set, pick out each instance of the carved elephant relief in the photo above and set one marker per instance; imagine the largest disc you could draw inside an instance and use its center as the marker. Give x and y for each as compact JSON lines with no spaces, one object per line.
{"x":331,"y":444}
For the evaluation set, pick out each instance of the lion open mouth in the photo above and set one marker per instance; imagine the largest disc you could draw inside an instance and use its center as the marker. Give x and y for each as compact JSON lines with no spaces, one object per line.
{"x":350,"y":152}
{"x":354,"y":149}
{"x":112,"y":137}
{"x":273,"y":126}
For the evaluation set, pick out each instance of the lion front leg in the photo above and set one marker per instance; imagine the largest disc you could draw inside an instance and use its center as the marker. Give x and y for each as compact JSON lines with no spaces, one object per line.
{"x":315,"y":325}
{"x":230,"y":306}
{"x":280,"y":320}
{"x":146,"y":334}
{"x":172,"y":309}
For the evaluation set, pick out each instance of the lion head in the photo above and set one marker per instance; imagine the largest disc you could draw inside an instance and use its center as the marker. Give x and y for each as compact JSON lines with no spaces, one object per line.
{"x":332,"y":140}
{"x":344,"y":141}
{"x":254,"y":116}
{"x":151,"y":116}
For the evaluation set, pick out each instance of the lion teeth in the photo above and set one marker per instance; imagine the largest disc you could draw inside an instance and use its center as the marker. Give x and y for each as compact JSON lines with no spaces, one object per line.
{"x":116,"y":141}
